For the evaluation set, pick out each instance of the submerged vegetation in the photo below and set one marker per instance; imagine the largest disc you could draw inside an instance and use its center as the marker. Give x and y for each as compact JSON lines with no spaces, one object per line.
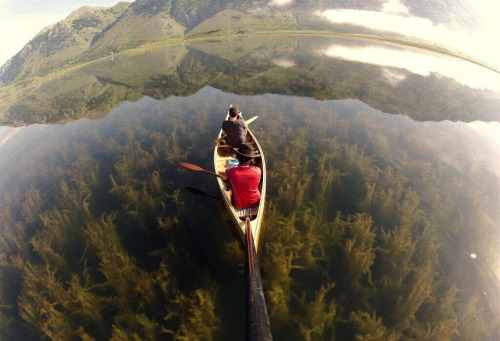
{"x":100,"y":240}
{"x":90,"y":247}
{"x":361,"y":240}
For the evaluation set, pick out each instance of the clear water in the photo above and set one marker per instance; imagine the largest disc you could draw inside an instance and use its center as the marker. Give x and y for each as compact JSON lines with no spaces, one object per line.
{"x":382,"y":215}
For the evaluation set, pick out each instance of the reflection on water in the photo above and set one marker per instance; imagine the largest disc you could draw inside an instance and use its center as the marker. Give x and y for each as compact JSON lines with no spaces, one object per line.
{"x":283,"y":62}
{"x":6,"y":133}
{"x":420,"y":63}
{"x":371,"y":223}
{"x":420,"y":85}
{"x":489,"y":143}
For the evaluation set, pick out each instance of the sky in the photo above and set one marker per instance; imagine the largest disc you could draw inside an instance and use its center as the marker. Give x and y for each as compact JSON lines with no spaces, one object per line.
{"x":21,"y":20}
{"x":395,"y":17}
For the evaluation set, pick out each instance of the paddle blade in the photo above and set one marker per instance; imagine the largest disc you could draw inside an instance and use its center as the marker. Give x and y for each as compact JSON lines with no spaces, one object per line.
{"x":198,"y":169}
{"x":191,"y":166}
{"x":250,"y":120}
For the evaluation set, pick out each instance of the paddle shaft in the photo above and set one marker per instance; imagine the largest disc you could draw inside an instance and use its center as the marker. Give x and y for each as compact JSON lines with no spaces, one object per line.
{"x":199,"y":169}
{"x":257,"y":319}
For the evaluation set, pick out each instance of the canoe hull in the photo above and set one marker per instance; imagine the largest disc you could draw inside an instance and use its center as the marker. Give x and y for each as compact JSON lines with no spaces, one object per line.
{"x":223,"y":154}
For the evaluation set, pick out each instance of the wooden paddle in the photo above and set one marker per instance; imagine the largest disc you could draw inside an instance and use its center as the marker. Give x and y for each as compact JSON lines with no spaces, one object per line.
{"x":257,"y":320}
{"x":199,"y":169}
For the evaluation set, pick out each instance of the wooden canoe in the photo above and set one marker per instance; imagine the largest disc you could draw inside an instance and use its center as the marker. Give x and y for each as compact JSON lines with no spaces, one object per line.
{"x":223,"y":154}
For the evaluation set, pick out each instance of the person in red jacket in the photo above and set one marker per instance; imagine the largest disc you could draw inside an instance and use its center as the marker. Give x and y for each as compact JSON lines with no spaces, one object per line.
{"x":244,"y":179}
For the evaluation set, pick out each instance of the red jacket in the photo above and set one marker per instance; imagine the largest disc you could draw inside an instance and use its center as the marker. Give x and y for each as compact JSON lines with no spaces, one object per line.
{"x":245,"y":185}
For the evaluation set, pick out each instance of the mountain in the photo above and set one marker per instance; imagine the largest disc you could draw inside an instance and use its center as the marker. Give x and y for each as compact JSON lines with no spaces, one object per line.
{"x":60,"y":44}
{"x":139,"y":25}
{"x":91,"y":32}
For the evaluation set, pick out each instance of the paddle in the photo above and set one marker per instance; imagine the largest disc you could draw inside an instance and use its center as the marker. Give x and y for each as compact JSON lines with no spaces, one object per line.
{"x":257,"y":320}
{"x":199,"y":169}
{"x":250,"y":120}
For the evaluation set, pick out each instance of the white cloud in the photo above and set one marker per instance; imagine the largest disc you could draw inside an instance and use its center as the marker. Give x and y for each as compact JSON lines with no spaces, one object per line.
{"x":421,"y":63}
{"x":486,"y":12}
{"x":394,"y":6}
{"x":380,"y":21}
{"x":279,"y":3}
{"x":479,"y":45}
{"x":19,"y":29}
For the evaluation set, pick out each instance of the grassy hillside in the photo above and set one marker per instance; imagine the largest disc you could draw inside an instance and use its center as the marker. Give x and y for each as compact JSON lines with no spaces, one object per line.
{"x":132,"y":30}
{"x":231,"y":21}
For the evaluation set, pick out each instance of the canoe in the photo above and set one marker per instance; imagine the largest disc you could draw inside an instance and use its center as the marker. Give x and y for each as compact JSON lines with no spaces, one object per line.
{"x":224,"y":154}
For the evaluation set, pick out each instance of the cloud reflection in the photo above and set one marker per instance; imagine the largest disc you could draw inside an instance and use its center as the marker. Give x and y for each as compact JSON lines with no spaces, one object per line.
{"x":421,"y":63}
{"x":283,"y":62}
{"x":393,"y":77}
{"x":490,"y":130}
{"x":6,"y":133}
{"x":279,"y":3}
{"x":490,"y":146}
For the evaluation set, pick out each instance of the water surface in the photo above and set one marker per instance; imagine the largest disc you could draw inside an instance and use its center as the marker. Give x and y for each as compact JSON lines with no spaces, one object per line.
{"x":382,"y":216}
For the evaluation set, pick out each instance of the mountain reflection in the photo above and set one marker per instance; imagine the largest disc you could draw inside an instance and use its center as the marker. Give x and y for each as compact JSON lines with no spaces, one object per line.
{"x":420,"y":85}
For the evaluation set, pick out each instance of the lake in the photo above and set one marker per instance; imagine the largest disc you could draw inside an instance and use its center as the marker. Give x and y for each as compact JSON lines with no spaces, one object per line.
{"x":382,"y":217}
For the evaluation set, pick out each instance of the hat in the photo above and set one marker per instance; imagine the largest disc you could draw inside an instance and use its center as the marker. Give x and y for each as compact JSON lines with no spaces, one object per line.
{"x":245,"y":149}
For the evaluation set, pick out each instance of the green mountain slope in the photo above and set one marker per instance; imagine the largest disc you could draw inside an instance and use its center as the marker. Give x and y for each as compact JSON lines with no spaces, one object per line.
{"x":188,"y":13}
{"x":135,"y":28}
{"x":60,"y":44}
{"x":232,"y":21}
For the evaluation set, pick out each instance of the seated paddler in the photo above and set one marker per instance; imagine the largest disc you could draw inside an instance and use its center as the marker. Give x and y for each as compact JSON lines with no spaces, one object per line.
{"x":234,"y":128}
{"x":245,"y":178}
